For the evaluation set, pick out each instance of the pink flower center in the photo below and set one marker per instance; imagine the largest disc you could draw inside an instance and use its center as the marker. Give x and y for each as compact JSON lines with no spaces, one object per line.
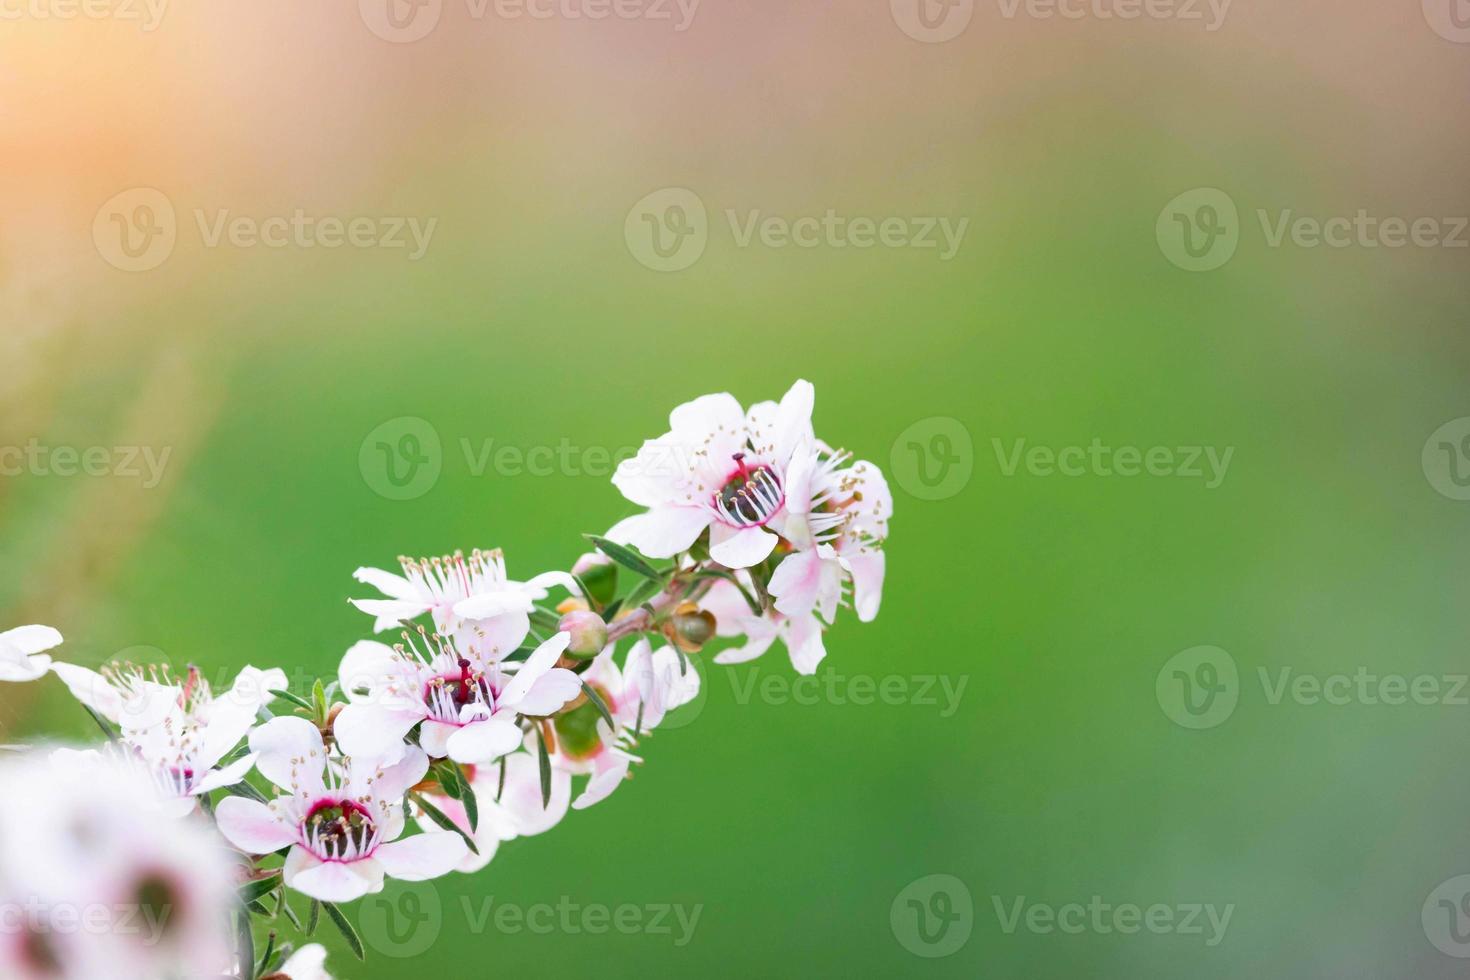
{"x":340,"y":830}
{"x":751,"y":495}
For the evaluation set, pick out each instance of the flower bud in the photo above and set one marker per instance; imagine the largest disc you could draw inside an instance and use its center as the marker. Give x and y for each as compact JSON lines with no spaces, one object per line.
{"x":599,"y":574}
{"x":691,"y":627}
{"x":589,"y":633}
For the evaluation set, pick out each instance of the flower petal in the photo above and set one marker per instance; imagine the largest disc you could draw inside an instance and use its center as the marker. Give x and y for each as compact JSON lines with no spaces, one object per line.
{"x":740,"y":548}
{"x":290,"y":753}
{"x":423,"y":856}
{"x":374,"y":731}
{"x":484,"y":741}
{"x":31,"y":639}
{"x":252,"y":826}
{"x":665,"y":531}
{"x":334,"y":881}
{"x":542,"y":659}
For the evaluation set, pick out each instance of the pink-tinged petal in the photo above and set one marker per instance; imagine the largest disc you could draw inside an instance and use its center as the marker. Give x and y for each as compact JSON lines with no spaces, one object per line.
{"x":391,"y":585}
{"x":389,"y":613}
{"x":252,"y":826}
{"x":290,"y":753}
{"x":603,"y":782}
{"x":484,"y":741}
{"x":335,"y":881}
{"x":665,"y":531}
{"x":552,"y":690}
{"x":389,"y":782}
{"x":867,"y":569}
{"x":807,"y":580}
{"x":542,"y":659}
{"x":31,"y":639}
{"x":90,"y":688}
{"x":740,"y":548}
{"x":804,"y":644}
{"x":434,"y":738}
{"x":422,"y":857}
{"x":521,"y":799}
{"x":793,"y":421}
{"x":374,"y":731}
{"x":228,"y":776}
{"x":798,"y":486}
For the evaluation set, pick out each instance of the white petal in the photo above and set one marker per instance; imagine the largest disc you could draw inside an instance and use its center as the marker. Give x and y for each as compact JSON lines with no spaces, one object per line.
{"x":228,"y":776}
{"x":753,"y":648}
{"x":389,"y":613}
{"x":290,"y":753}
{"x":335,"y":881}
{"x":552,"y":690}
{"x":422,"y":857}
{"x":31,"y":639}
{"x":665,"y":531}
{"x":90,"y":688}
{"x":391,"y":585}
{"x":867,"y":569}
{"x":542,"y":659}
{"x":251,"y":826}
{"x":488,"y":604}
{"x":484,"y":741}
{"x":740,"y":548}
{"x":793,"y":420}
{"x":374,"y":731}
{"x":804,"y":644}
{"x":18,"y":667}
{"x":434,"y":738}
{"x":602,"y":784}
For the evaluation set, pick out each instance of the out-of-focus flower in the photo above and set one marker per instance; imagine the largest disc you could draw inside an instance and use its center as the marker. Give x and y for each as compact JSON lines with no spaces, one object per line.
{"x":95,"y":883}
{"x":468,"y":705}
{"x":22,"y":652}
{"x":507,"y":810}
{"x":179,"y":729}
{"x":457,"y":590}
{"x":307,"y":963}
{"x":720,"y":468}
{"x":341,"y":818}
{"x":638,"y":697}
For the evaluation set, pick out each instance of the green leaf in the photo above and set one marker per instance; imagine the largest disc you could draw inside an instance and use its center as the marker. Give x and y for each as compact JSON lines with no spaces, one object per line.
{"x":102,"y":723}
{"x":242,"y":788}
{"x":624,"y":556}
{"x":313,"y":916}
{"x":500,"y":789}
{"x":435,"y":814}
{"x":641,"y":593}
{"x":294,"y":699}
{"x":285,"y":906}
{"x":467,"y":797}
{"x":345,"y":927}
{"x":265,"y":958}
{"x":600,"y":705}
{"x":247,"y":944}
{"x":252,"y":890}
{"x":545,"y":763}
{"x":545,"y":619}
{"x":611,"y":612}
{"x":319,"y":699}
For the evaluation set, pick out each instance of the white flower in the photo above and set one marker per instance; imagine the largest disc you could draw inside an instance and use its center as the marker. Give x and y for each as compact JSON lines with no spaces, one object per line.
{"x":838,"y":522}
{"x":506,"y":810}
{"x":97,"y":883}
{"x":22,"y":656}
{"x":802,"y":634}
{"x":457,"y":590}
{"x":718,"y":468}
{"x":341,"y":818}
{"x":179,"y":730}
{"x":638,"y":697}
{"x":468,"y":704}
{"x":307,"y":963}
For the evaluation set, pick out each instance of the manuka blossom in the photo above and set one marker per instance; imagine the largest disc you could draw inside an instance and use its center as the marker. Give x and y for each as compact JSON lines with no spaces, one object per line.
{"x":801,"y":635}
{"x":717,"y":468}
{"x":179,"y":730}
{"x":342,"y":818}
{"x":466,"y":704}
{"x":307,"y":963}
{"x":456,"y":590}
{"x":510,"y":805}
{"x":838,"y":523}
{"x":638,"y":697}
{"x":22,"y":652}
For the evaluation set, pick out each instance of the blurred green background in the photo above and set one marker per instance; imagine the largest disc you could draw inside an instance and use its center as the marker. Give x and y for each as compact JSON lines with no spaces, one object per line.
{"x":1055,"y":600}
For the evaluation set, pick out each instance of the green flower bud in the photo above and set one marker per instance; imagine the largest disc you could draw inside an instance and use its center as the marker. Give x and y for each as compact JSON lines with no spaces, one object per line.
{"x":589,"y":633}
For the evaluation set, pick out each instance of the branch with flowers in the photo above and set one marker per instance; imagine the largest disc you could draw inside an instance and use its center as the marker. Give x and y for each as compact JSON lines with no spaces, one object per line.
{"x":486,"y":709}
